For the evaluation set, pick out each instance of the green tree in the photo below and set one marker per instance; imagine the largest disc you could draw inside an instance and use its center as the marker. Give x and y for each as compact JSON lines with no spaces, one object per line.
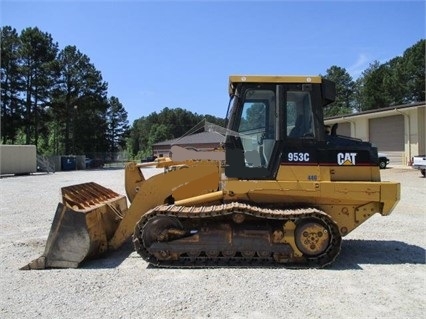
{"x":180,"y":121}
{"x":80,"y":103}
{"x":394,"y":83}
{"x":56,"y":100}
{"x":372,"y":91}
{"x":134,"y":143}
{"x":38,"y":53}
{"x":158,"y":133}
{"x":90,"y":126}
{"x":11,"y":103}
{"x":344,"y":102}
{"x":118,"y":125}
{"x":413,"y":68}
{"x":401,"y":80}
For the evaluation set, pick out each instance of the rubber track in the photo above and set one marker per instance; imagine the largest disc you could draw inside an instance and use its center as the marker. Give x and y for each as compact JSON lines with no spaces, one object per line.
{"x":204,"y":212}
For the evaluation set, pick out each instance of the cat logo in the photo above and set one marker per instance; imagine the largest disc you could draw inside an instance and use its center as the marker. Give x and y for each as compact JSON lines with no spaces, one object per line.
{"x":346,"y":158}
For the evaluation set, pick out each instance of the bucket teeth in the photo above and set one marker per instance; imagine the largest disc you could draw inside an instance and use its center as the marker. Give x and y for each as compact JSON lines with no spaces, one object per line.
{"x":86,"y":195}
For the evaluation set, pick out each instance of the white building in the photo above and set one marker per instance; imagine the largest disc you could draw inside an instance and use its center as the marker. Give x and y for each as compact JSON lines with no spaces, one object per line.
{"x":398,"y":131}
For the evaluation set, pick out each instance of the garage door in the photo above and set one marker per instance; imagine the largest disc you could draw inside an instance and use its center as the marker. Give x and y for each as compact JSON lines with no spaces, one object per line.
{"x":387,"y":133}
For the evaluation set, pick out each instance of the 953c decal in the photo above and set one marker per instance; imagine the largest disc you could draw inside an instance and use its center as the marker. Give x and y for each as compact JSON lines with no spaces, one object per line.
{"x":298,"y":157}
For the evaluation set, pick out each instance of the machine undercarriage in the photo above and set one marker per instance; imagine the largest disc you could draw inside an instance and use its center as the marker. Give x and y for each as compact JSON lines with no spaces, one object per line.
{"x":236,"y":234}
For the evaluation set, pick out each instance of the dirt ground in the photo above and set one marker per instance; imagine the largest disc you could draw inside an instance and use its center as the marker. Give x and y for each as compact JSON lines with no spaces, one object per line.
{"x":380,"y":272}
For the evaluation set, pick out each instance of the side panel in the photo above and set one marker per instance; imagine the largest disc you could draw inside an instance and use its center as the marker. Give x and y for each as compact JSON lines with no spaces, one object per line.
{"x":337,"y":163}
{"x":348,"y":203}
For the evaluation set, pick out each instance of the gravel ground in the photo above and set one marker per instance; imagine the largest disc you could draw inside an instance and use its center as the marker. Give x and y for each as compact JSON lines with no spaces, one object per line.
{"x":380,"y":272}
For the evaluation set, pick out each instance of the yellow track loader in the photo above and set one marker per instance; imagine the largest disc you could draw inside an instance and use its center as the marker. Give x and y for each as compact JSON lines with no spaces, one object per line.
{"x":283,"y":191}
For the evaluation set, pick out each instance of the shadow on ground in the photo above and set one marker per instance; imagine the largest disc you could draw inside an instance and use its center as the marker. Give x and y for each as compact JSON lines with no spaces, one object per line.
{"x":111,"y":259}
{"x":356,"y":252}
{"x":353,"y":255}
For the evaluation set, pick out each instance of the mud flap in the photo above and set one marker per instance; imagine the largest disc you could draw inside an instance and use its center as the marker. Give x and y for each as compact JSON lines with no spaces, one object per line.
{"x":81,"y":232}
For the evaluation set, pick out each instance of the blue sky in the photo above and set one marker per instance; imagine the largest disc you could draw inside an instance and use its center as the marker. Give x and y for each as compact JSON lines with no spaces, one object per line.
{"x":157,"y":54}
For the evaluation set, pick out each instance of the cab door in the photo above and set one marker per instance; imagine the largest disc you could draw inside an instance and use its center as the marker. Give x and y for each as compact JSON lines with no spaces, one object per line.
{"x":252,"y":144}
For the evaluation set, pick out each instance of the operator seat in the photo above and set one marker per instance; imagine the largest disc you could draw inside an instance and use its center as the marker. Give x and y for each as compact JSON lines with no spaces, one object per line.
{"x":298,"y":129}
{"x":334,"y":129}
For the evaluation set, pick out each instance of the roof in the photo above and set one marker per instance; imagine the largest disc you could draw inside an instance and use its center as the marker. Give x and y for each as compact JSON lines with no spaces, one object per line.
{"x":199,"y":138}
{"x":395,"y":108}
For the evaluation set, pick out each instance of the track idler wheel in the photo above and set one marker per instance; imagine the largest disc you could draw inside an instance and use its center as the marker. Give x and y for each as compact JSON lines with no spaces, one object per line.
{"x":312,"y":237}
{"x":161,"y":229}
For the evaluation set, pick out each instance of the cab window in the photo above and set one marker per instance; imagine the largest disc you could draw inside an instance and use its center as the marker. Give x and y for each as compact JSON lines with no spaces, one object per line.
{"x":299,"y":115}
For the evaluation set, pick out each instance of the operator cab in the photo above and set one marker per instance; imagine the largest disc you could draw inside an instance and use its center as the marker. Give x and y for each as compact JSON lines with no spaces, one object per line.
{"x":268,"y":112}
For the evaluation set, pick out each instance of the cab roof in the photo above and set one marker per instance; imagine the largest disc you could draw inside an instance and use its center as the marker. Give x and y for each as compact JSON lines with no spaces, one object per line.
{"x":235,"y":79}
